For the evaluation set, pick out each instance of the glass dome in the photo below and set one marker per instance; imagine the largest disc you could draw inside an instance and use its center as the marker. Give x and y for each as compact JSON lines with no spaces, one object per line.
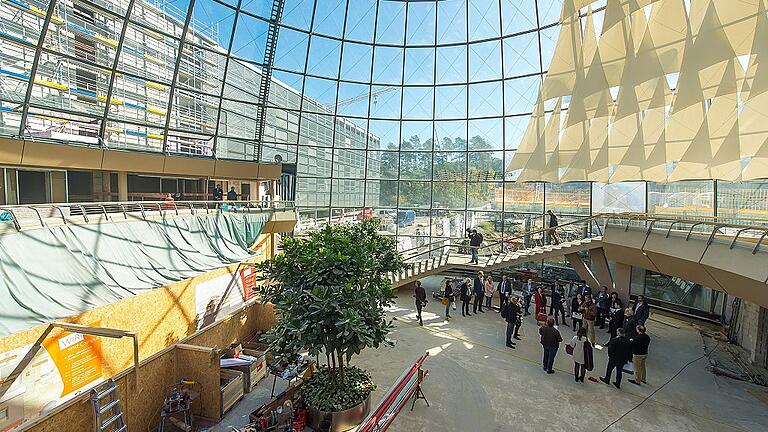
{"x":415,"y":109}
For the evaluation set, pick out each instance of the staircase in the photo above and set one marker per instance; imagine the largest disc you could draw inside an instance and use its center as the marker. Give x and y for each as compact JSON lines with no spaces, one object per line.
{"x":448,"y":257}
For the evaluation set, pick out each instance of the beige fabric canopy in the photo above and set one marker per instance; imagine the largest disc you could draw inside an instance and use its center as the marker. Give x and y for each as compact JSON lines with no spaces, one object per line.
{"x":669,"y":90}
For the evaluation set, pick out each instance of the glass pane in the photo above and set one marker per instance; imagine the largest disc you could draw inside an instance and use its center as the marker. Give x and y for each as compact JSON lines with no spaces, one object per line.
{"x":451,"y":135}
{"x":743,"y":200}
{"x":451,"y":102}
{"x":521,"y":55}
{"x":390,"y":28}
{"x":568,"y":198}
{"x":524,"y":197}
{"x":356,"y":62}
{"x":483,"y":19}
{"x":449,"y":195}
{"x":451,"y":21}
{"x":361,"y":15}
{"x":329,"y":17}
{"x":324,"y":57}
{"x":484,"y":61}
{"x":291,"y":50}
{"x":419,"y":66}
{"x":414,"y":194}
{"x":520,"y":94}
{"x":421,"y":23}
{"x":518,"y":15}
{"x":452,"y":64}
{"x":618,"y":197}
{"x":681,"y":199}
{"x":296,"y":13}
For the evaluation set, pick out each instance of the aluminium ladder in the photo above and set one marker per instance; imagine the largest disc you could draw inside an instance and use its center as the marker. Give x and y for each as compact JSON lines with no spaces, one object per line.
{"x":108,"y":415}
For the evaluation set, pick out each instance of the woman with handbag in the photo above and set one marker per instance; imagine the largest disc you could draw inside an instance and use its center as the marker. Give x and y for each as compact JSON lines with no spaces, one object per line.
{"x":448,"y":298}
{"x":576,"y":316}
{"x":576,"y":349}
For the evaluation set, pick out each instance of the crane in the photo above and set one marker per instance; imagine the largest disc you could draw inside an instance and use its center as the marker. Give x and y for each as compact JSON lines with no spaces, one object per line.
{"x":372,"y":94}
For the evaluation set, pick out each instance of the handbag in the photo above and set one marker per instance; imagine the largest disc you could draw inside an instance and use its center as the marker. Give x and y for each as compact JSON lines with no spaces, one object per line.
{"x":569,"y":349}
{"x":445,"y":301}
{"x":576,"y":315}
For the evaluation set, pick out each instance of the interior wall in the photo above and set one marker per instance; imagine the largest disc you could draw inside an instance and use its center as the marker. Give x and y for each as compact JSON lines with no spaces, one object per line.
{"x":752,"y":334}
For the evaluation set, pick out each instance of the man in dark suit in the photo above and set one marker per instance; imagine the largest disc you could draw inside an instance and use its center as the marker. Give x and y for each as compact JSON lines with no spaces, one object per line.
{"x":641,"y":310}
{"x":512,"y":313}
{"x":619,"y":353}
{"x":218,"y":193}
{"x":505,"y":289}
{"x":479,"y":293}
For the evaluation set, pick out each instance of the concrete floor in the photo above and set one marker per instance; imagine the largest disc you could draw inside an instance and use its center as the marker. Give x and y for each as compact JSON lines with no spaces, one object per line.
{"x":477,"y":384}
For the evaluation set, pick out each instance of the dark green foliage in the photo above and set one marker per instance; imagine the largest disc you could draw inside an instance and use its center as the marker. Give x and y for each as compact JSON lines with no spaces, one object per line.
{"x":329,"y":291}
{"x":327,"y":394}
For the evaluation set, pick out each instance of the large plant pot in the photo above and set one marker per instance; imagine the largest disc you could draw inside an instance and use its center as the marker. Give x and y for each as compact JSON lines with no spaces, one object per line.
{"x":341,"y":420}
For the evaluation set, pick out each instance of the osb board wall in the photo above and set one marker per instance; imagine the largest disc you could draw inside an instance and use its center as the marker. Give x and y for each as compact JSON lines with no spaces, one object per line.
{"x":156,"y":374}
{"x":236,"y":327}
{"x":141,"y":407}
{"x":160,"y":317}
{"x":201,"y":365}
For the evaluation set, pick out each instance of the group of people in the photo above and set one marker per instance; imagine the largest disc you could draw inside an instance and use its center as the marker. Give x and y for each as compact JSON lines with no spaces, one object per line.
{"x":218,"y":194}
{"x":628,"y":340}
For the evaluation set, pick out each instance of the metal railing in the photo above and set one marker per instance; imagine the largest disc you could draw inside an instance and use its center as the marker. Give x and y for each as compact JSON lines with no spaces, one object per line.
{"x":27,"y":216}
{"x":579,"y":229}
{"x":752,"y":235}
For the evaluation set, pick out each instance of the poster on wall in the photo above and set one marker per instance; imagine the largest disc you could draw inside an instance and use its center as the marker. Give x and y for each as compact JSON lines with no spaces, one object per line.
{"x":65,"y":366}
{"x":248,"y":280}
{"x":217,"y":298}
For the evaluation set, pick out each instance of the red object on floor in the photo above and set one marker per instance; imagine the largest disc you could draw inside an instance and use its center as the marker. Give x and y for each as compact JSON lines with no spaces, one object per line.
{"x":541,"y":317}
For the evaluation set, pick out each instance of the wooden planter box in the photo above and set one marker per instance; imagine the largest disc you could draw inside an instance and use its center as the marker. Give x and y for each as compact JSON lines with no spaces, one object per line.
{"x":254,"y":372}
{"x":231,"y":385}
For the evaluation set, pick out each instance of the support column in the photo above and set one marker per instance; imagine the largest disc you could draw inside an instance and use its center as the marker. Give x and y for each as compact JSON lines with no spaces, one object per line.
{"x":583,"y":271}
{"x":622,"y":281}
{"x":760,"y":357}
{"x":600,"y":268}
{"x":122,"y":186}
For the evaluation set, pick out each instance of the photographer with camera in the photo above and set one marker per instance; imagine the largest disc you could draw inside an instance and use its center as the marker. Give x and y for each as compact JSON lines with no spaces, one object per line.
{"x":475,"y":240}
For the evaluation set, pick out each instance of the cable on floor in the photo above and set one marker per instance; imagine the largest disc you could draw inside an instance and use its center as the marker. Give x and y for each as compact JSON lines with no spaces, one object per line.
{"x":645,"y":399}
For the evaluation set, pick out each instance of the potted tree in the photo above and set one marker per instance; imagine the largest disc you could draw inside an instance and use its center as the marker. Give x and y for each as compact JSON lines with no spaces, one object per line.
{"x":329,"y":291}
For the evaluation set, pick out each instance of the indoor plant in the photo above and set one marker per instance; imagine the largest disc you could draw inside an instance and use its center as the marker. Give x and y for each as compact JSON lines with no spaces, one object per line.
{"x":329,"y":291}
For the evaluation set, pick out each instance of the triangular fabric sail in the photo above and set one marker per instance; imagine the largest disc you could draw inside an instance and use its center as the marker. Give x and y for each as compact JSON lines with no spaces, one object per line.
{"x":526,"y":153}
{"x":598,"y":141}
{"x":694,"y":162}
{"x":726,"y":164}
{"x":739,"y":22}
{"x":561,"y":74}
{"x":629,"y":168}
{"x":757,"y":168}
{"x":612,"y":45}
{"x":668,"y":26}
{"x":550,"y":173}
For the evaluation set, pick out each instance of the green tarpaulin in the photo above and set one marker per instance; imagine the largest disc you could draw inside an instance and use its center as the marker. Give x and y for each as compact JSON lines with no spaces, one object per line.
{"x":51,"y":273}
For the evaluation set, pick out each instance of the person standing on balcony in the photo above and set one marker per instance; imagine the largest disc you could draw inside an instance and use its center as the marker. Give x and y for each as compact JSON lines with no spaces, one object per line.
{"x":421,"y":300}
{"x":552,"y":227}
{"x":232,"y":195}
{"x":478,"y":292}
{"x":475,"y":240}
{"x":465,"y":296}
{"x":505,"y":289}
{"x":218,"y":193}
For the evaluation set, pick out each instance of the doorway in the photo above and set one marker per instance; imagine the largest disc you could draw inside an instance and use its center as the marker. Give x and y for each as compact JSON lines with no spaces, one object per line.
{"x":34,"y":187}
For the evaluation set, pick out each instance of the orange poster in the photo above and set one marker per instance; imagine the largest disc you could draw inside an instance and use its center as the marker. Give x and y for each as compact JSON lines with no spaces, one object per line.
{"x":248,"y":279}
{"x":77,"y":357}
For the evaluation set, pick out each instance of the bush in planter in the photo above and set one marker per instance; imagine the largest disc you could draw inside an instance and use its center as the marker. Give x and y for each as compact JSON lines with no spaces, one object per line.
{"x":327,"y":394}
{"x":329,"y":292}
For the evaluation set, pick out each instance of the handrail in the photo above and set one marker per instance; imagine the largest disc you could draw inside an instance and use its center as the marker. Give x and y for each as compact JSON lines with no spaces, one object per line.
{"x":64,"y":212}
{"x":500,"y":241}
{"x":650,"y":220}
